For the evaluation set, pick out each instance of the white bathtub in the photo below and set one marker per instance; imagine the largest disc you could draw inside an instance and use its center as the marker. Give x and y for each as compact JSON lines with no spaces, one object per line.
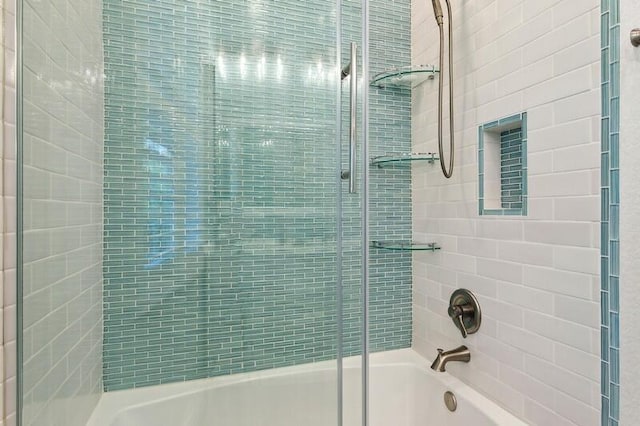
{"x":404,"y":392}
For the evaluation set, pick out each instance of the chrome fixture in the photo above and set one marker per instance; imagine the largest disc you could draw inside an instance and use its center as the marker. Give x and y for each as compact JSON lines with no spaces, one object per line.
{"x":460,"y":354}
{"x":465,"y":311}
{"x":635,"y":37}
{"x":351,"y":70}
{"x":450,"y":401}
{"x":437,"y":11}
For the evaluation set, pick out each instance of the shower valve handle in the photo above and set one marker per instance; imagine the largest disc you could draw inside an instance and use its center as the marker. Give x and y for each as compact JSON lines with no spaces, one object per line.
{"x":456,"y":313}
{"x":465,"y":312}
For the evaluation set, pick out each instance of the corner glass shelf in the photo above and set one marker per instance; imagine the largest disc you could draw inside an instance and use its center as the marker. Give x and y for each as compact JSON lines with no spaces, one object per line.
{"x":404,"y":246}
{"x":408,"y":76}
{"x":387,"y":159}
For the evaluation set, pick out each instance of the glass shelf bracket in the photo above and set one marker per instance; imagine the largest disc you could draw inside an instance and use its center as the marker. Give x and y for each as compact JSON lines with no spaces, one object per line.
{"x":405,"y":246}
{"x":407,"y":76}
{"x":386,"y":159}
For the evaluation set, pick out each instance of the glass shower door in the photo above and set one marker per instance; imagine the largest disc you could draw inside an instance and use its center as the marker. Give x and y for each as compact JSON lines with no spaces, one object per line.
{"x":181,"y":212}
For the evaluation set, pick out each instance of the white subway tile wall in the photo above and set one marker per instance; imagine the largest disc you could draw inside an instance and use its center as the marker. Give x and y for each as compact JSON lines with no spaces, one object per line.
{"x":63,"y":149}
{"x":624,"y":296}
{"x":536,"y":277}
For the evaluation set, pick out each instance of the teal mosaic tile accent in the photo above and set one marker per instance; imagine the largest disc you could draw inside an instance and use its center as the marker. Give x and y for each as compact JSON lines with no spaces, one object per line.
{"x":220,"y":188}
{"x":509,"y":135}
{"x":511,"y":156}
{"x":610,"y":215}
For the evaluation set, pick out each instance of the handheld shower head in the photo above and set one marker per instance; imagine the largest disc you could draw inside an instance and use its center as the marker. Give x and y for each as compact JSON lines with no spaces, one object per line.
{"x":437,"y":11}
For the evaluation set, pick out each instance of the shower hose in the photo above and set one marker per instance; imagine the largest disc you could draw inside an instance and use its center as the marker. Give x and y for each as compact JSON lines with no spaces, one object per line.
{"x":448,"y":172}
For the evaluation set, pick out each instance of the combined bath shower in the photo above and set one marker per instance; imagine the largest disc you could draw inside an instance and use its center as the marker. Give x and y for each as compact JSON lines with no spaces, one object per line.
{"x":437,"y":11}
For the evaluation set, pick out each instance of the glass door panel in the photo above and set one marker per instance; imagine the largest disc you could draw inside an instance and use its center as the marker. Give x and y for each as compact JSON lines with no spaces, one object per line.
{"x":181,"y":206}
{"x":352,"y":215}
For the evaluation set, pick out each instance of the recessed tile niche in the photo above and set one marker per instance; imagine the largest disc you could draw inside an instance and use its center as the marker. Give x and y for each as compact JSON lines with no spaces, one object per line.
{"x":502,"y":166}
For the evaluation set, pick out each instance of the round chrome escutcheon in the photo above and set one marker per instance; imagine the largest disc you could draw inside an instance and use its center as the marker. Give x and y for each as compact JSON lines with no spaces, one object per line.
{"x":450,"y":401}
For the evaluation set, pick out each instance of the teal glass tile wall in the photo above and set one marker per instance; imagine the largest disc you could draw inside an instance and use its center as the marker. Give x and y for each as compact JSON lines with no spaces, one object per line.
{"x":610,"y":215}
{"x":220,"y":229}
{"x":390,"y":273}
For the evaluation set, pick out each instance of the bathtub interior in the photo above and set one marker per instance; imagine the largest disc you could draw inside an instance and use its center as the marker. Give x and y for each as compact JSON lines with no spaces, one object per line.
{"x":301,"y":399}
{"x":404,"y":392}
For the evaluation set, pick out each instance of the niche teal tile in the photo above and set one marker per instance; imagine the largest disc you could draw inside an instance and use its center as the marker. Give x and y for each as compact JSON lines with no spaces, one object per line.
{"x":509,"y":120}
{"x":513,"y":212}
{"x":513,"y":165}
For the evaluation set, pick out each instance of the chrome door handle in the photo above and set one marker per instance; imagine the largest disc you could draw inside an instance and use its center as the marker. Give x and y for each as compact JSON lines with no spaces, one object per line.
{"x":351,"y":70}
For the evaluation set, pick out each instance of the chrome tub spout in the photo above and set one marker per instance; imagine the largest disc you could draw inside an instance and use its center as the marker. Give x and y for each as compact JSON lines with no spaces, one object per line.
{"x":460,"y":354}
